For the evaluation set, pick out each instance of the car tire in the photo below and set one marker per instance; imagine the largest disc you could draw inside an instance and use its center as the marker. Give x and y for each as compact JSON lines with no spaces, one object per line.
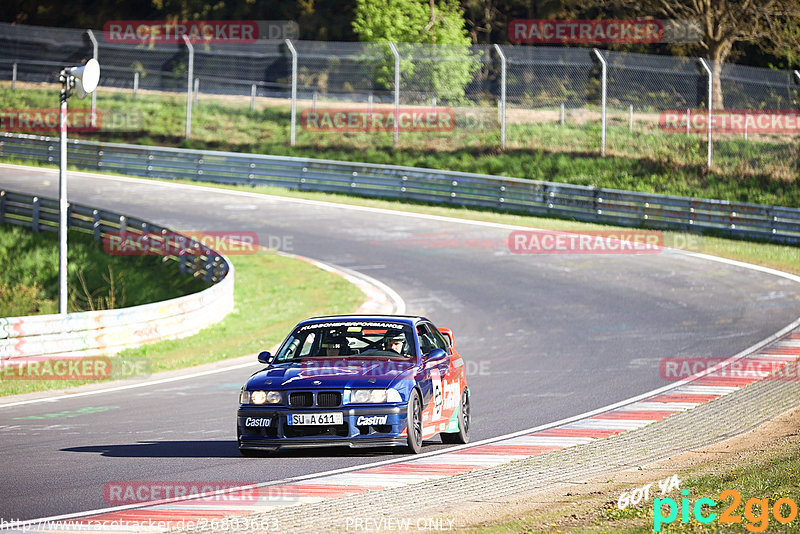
{"x":464,"y":419}
{"x":414,"y":422}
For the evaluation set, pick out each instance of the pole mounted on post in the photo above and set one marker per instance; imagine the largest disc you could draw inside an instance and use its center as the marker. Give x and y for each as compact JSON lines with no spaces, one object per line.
{"x":705,"y":66}
{"x":396,"y":55}
{"x":189,"y":80}
{"x":502,"y":96}
{"x":602,"y":101}
{"x":293,"y":132}
{"x":90,"y":33}
{"x":81,"y":80}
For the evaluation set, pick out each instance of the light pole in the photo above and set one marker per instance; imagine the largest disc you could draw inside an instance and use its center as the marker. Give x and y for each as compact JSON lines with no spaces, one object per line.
{"x":84,"y":81}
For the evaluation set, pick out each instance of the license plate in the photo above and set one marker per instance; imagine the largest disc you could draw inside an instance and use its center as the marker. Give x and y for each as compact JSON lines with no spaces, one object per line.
{"x":315,"y":419}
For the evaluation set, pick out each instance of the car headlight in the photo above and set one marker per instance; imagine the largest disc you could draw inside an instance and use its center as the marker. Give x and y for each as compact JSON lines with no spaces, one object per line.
{"x":261,"y":397}
{"x":363,"y":396}
{"x":244,"y":397}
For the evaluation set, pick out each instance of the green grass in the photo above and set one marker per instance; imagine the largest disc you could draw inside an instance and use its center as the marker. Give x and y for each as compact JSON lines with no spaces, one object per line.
{"x":96,"y":280}
{"x":772,"y":475}
{"x":272,"y":293}
{"x":763,"y":171}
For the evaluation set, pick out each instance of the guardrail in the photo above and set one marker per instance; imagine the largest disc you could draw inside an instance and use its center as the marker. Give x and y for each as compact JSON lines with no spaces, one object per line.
{"x":607,"y":206}
{"x":109,"y":331}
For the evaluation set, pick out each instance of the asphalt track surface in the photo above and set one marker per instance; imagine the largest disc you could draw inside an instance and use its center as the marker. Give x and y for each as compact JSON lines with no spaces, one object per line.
{"x":546,"y":337}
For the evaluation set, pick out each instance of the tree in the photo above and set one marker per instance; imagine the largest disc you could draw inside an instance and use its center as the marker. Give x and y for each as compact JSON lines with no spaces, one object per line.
{"x":769,"y":24}
{"x":443,"y":70}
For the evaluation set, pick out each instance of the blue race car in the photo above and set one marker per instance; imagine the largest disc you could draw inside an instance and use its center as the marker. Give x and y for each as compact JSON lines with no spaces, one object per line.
{"x":357,"y":381}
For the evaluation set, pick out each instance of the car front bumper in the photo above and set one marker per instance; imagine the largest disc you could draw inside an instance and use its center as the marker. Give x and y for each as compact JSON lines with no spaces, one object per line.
{"x":278,"y":434}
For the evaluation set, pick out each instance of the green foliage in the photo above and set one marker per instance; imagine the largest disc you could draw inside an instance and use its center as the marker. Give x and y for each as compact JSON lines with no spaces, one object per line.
{"x":96,"y":280}
{"x":444,"y":73}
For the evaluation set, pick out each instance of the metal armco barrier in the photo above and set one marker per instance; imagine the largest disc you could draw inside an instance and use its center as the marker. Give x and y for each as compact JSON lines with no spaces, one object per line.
{"x":109,"y":331}
{"x":608,"y":206}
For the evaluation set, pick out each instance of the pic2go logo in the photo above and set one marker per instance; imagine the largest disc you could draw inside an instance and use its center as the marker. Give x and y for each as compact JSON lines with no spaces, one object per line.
{"x":756,"y":511}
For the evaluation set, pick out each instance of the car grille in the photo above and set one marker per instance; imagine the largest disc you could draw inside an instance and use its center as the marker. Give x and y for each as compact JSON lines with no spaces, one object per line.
{"x":305,"y":431}
{"x":301,"y":399}
{"x":329,"y":399}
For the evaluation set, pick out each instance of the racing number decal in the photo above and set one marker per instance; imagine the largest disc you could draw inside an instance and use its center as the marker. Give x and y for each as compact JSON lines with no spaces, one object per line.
{"x":438,"y":397}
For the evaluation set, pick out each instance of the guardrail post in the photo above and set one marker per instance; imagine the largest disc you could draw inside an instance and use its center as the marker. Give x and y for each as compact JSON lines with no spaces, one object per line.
{"x":602,"y":101}
{"x":293,"y":132}
{"x":35,"y":215}
{"x":96,"y":225}
{"x":705,"y":66}
{"x":253,"y":97}
{"x":135,"y":83}
{"x":396,"y":92}
{"x":189,"y":77}
{"x":502,"y":96}
{"x":209,"y":271}
{"x":94,"y":93}
{"x":14,"y":76}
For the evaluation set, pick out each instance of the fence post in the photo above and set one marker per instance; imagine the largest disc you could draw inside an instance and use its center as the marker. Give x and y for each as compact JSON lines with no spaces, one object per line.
{"x":90,"y":33}
{"x":253,"y":97}
{"x":294,"y":91}
{"x":2,"y":206}
{"x":196,"y":90}
{"x":35,"y":216}
{"x":630,"y":118}
{"x":602,"y":102}
{"x":502,"y":96}
{"x":135,"y":83}
{"x":396,"y":92}
{"x":314,"y":102}
{"x":189,"y":77}
{"x":14,"y":76}
{"x":705,"y":66}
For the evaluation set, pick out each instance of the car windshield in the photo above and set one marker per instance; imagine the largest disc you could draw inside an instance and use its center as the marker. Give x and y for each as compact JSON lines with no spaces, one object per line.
{"x":349,"y":339}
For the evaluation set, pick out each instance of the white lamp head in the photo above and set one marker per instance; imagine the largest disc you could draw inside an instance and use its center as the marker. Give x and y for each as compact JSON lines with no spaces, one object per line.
{"x":86,"y":77}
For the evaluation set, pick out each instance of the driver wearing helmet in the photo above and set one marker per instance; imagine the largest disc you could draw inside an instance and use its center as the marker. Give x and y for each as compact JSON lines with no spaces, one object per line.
{"x":395,"y":343}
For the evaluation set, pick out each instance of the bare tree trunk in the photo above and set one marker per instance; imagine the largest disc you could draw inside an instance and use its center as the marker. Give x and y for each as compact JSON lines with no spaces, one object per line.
{"x":718,"y":52}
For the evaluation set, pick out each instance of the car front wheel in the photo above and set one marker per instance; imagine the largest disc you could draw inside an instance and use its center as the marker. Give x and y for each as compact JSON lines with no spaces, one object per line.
{"x":414,"y":420}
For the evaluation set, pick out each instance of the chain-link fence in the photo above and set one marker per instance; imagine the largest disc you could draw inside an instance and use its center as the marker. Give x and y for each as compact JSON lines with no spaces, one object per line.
{"x":556,"y":99}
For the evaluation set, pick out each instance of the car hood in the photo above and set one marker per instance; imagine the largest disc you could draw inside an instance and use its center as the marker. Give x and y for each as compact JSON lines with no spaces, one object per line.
{"x":327,"y":373}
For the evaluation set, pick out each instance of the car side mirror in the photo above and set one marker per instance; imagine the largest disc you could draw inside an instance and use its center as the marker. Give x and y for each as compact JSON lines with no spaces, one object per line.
{"x":264,"y":357}
{"x":435,"y":355}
